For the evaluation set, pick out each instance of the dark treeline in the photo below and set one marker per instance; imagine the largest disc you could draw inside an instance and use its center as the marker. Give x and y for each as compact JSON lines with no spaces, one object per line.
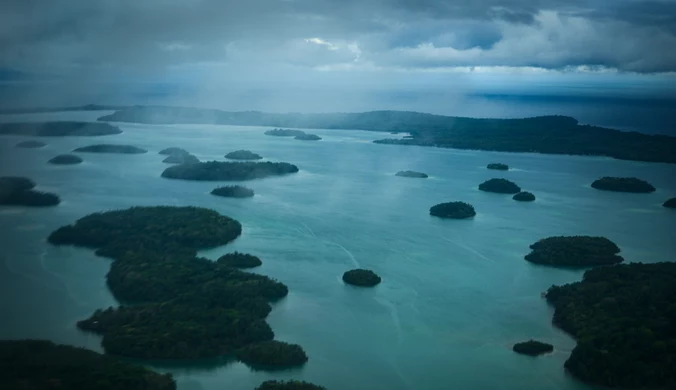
{"x":574,"y":251}
{"x":288,"y":385}
{"x":111,"y":148}
{"x":235,"y":191}
{"x":361,"y":277}
{"x":59,"y":129}
{"x":224,"y":171}
{"x":623,"y":184}
{"x":453,"y":210}
{"x":18,"y":191}
{"x":532,"y":348}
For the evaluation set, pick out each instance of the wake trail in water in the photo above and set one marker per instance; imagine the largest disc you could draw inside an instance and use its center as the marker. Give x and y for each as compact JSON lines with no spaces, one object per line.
{"x":33,"y":278}
{"x":394,"y":314}
{"x":58,"y":277}
{"x":309,"y":230}
{"x":349,"y":254}
{"x":469,"y":249}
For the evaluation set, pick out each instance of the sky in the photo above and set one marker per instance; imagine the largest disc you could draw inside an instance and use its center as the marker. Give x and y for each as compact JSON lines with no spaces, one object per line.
{"x":309,"y":55}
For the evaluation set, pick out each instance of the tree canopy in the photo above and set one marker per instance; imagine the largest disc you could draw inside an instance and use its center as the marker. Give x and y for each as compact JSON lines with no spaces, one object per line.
{"x":453,"y":210}
{"x":235,"y":191}
{"x":243,"y":155}
{"x":524,"y":196}
{"x":110,"y":148}
{"x":361,"y":277}
{"x":240,"y":260}
{"x":285,"y":133}
{"x":18,"y":191}
{"x":59,"y":129}
{"x":224,"y":171}
{"x":671,"y":203}
{"x":532,"y":348}
{"x":273,"y":354}
{"x":65,"y":159}
{"x":574,"y":251}
{"x":500,"y":186}
{"x":623,"y":184}
{"x":181,"y":158}
{"x":308,"y":137}
{"x":414,"y":174}
{"x":288,"y":385}
{"x":498,"y":166}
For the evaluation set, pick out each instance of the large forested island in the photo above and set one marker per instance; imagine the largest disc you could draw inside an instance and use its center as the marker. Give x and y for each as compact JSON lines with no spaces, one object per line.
{"x":413,"y":174}
{"x":43,"y":365}
{"x":225,"y":171}
{"x":574,"y":251}
{"x":235,"y":191}
{"x":453,"y":210}
{"x":623,"y":184}
{"x":243,"y":155}
{"x":219,"y":311}
{"x":670,"y":203}
{"x":623,"y":318}
{"x":361,"y":277}
{"x":288,"y":385}
{"x":59,"y":129}
{"x":111,"y":148}
{"x":31,"y":144}
{"x":545,"y":134}
{"x":532,"y":348}
{"x":500,"y":186}
{"x":65,"y":159}
{"x":18,"y":191}
{"x":272,"y":354}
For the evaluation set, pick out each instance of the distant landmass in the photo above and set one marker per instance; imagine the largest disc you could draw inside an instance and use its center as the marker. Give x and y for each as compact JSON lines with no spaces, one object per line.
{"x":31,"y":144}
{"x":224,"y":171}
{"x":414,"y":174}
{"x":59,"y":129}
{"x":110,"y":148}
{"x":545,"y":134}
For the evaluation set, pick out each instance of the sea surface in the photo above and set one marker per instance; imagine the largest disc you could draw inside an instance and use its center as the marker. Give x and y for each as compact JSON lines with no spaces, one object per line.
{"x":455,"y":296}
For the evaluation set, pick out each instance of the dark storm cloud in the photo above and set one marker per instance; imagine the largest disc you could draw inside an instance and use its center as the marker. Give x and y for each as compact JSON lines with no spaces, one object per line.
{"x":133,"y":37}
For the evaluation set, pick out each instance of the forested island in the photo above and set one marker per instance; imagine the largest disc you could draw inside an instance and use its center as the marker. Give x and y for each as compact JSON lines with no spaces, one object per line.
{"x":235,"y":191}
{"x":31,"y":144}
{"x":18,"y":191}
{"x":181,"y":158}
{"x":532,"y":348}
{"x":65,"y":159}
{"x":671,"y":203}
{"x":285,"y":133}
{"x":413,"y":174}
{"x":288,"y":385}
{"x":59,"y":129}
{"x":545,"y":134}
{"x":43,"y":365}
{"x":498,"y":166}
{"x":239,"y":260}
{"x":623,"y":184}
{"x":453,"y":210}
{"x":308,"y":137}
{"x":500,"y":186}
{"x":111,"y":148}
{"x":574,"y":251}
{"x":225,"y":171}
{"x":623,"y":319}
{"x":524,"y":196}
{"x":220,"y":310}
{"x":361,"y":277}
{"x":272,"y":354}
{"x":243,"y":155}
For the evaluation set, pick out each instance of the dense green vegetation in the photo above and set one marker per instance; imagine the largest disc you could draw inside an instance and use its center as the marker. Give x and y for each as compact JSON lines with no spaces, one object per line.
{"x":574,"y":251}
{"x":288,"y":385}
{"x":18,"y":191}
{"x":545,"y":134}
{"x":671,"y":203}
{"x":361,"y":277}
{"x":623,"y":318}
{"x":623,"y":184}
{"x":235,"y":191}
{"x":285,"y":133}
{"x":31,"y":144}
{"x":110,"y":148}
{"x":524,"y":196}
{"x":498,"y":166}
{"x":243,"y":155}
{"x":65,"y":159}
{"x":59,"y":129}
{"x":224,"y":171}
{"x":453,"y":210}
{"x":308,"y":137}
{"x":181,"y":158}
{"x":43,"y":365}
{"x":532,"y":348}
{"x":173,"y":150}
{"x":239,"y":260}
{"x":500,"y":186}
{"x":272,"y":354}
{"x":412,"y":174}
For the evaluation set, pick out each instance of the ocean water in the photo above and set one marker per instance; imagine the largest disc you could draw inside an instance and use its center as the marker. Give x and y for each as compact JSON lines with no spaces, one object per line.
{"x":455,"y":296}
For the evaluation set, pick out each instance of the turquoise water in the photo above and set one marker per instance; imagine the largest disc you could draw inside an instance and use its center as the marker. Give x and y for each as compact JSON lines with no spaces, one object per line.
{"x":455,"y":294}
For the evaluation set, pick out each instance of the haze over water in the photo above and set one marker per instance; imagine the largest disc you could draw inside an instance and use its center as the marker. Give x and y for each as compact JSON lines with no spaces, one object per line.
{"x":456,"y":295}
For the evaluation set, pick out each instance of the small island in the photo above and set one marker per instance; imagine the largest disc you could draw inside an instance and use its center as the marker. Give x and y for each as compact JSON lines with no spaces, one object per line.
{"x":453,"y":210}
{"x":59,"y":129}
{"x":173,"y":150}
{"x":228,"y":171}
{"x":285,"y":133}
{"x":670,"y":204}
{"x":110,"y":148}
{"x":288,"y":385}
{"x":235,"y":191}
{"x":240,"y":260}
{"x":524,"y":196}
{"x":500,"y":186}
{"x":413,"y":174}
{"x":65,"y":159}
{"x":623,"y":184}
{"x":18,"y":191}
{"x":308,"y":137}
{"x":43,"y":365}
{"x":532,"y":348}
{"x":31,"y":144}
{"x":574,"y":251}
{"x":622,"y":317}
{"x":243,"y":155}
{"x":272,"y":354}
{"x":361,"y":278}
{"x":498,"y":166}
{"x":180,"y":158}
